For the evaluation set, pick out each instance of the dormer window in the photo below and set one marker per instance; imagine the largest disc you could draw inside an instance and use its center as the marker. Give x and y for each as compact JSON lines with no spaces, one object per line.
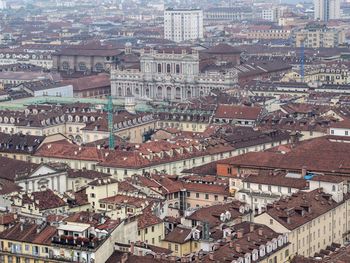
{"x":255,"y":255}
{"x":262,"y":251}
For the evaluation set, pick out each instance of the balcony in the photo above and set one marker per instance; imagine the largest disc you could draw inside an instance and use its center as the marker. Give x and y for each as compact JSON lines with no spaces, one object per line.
{"x":80,"y":243}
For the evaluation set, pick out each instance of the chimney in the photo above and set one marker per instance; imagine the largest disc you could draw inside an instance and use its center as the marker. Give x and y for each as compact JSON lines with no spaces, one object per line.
{"x":211,"y":256}
{"x":303,"y":171}
{"x":251,"y":228}
{"x":238,"y":248}
{"x":132,"y":248}
{"x":260,"y":231}
{"x":231,"y":244}
{"x":240,"y":233}
{"x":124,"y":258}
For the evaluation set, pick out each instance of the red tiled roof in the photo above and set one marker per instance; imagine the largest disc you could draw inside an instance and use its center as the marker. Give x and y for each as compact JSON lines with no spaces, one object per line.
{"x":89,"y":82}
{"x":28,"y":233}
{"x":300,"y":208}
{"x":178,"y":235}
{"x":223,"y":49}
{"x":148,"y":219}
{"x":44,"y":200}
{"x":237,"y":112}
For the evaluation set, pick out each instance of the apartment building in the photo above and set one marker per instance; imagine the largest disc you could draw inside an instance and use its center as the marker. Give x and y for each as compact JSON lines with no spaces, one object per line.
{"x":183,"y":24}
{"x":327,"y":9}
{"x":313,"y":220}
{"x":319,"y":36}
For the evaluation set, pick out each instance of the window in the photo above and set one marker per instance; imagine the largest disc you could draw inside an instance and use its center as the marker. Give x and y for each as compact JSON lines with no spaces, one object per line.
{"x":332,"y":131}
{"x":92,"y":195}
{"x":159,"y":68}
{"x":176,"y":247}
{"x":206,"y":196}
{"x":153,"y":240}
{"x":248,"y":185}
{"x":188,"y":194}
{"x":333,"y":188}
{"x":346,"y":132}
{"x":98,"y":67}
{"x":216,"y":197}
{"x":168,"y":68}
{"x":152,"y":228}
{"x":286,"y":253}
{"x":169,"y":246}
{"x":197,"y":195}
{"x":82,"y":66}
{"x":65,"y":65}
{"x":271,"y":221}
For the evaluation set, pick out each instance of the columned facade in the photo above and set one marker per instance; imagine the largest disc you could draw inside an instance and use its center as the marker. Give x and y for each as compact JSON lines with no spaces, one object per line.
{"x":165,"y":76}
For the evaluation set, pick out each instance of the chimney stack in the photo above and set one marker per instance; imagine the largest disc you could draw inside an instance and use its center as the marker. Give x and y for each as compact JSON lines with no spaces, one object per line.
{"x":303,"y":171}
{"x":238,"y":248}
{"x":260,"y":231}
{"x":132,"y":248}
{"x":240,"y":233}
{"x":211,"y":256}
{"x":251,"y":228}
{"x":124,"y":258}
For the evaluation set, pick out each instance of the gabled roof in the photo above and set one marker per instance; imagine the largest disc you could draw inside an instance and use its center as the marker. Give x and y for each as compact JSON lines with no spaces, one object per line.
{"x":237,"y":112}
{"x":223,"y":49}
{"x":179,"y":235}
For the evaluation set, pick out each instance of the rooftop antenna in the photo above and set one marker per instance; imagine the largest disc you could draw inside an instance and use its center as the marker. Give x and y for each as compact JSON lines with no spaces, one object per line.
{"x":111,"y":141}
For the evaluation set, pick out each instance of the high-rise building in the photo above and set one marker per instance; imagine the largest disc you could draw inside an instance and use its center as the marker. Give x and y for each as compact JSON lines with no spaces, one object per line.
{"x":3,"y":4}
{"x":183,"y":24}
{"x":327,"y":9}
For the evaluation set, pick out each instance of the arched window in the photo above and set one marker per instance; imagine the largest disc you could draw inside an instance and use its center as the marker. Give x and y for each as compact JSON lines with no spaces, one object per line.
{"x":99,"y":67}
{"x":189,"y":94}
{"x":119,"y":91}
{"x":65,"y":65}
{"x":160,"y":92}
{"x":78,"y":139}
{"x":178,"y":93}
{"x":137,"y":91}
{"x":128,"y":91}
{"x":168,"y":92}
{"x":82,"y":66}
{"x":177,"y":69}
{"x":168,"y":68}
{"x":147,"y":92}
{"x":159,"y":68}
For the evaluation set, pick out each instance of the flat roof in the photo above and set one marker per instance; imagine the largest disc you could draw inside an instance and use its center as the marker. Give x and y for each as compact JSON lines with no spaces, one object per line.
{"x":73,"y":228}
{"x":21,"y":104}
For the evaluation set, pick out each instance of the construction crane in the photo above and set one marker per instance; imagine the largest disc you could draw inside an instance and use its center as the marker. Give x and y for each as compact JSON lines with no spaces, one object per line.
{"x":109,"y":108}
{"x":302,"y":59}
